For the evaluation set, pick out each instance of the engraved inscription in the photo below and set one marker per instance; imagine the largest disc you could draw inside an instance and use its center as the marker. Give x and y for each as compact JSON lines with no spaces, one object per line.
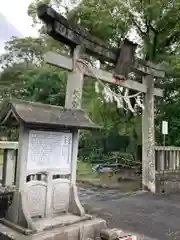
{"x":76,"y":98}
{"x":36,"y":202}
{"x":49,"y":150}
{"x":60,"y":196}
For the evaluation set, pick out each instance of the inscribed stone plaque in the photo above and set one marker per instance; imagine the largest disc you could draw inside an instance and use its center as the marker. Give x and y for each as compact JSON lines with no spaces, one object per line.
{"x":60,"y":195}
{"x":36,"y":203}
{"x":49,"y":150}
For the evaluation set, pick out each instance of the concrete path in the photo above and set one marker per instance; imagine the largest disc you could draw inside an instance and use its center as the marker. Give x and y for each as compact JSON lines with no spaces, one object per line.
{"x":155,"y":217}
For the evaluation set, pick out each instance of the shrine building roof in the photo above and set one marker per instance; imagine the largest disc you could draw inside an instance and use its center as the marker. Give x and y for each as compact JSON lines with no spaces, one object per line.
{"x":17,"y":111}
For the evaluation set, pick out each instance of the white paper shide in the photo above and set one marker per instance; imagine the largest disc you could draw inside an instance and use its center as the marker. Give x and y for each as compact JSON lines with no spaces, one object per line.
{"x":49,"y":150}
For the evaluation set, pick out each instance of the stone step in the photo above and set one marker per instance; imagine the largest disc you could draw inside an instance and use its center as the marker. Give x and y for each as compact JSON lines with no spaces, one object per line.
{"x":62,"y":220}
{"x":87,"y":229}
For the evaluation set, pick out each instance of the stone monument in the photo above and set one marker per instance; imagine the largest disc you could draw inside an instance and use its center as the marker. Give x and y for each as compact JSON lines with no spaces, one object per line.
{"x":46,"y":196}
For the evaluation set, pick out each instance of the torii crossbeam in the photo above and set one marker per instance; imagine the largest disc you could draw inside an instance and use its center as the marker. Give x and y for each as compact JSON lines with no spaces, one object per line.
{"x":59,"y":28}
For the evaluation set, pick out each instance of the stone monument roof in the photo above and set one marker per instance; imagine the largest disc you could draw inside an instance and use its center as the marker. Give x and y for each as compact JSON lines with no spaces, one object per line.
{"x":38,"y":114}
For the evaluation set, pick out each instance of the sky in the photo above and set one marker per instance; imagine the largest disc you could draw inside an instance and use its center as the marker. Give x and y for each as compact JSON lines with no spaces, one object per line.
{"x":14,"y":20}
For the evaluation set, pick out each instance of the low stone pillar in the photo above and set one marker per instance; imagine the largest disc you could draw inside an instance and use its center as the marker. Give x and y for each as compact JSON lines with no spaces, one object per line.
{"x":9,"y":162}
{"x":161,"y":159}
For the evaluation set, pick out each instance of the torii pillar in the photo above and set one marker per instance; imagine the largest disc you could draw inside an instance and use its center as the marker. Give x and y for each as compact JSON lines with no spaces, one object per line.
{"x":148,"y":138}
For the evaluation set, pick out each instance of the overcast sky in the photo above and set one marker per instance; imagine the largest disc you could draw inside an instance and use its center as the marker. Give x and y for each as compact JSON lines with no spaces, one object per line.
{"x":14,"y":20}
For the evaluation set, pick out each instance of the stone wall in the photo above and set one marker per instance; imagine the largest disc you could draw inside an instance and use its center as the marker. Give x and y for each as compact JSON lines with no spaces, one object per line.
{"x":168,"y":181}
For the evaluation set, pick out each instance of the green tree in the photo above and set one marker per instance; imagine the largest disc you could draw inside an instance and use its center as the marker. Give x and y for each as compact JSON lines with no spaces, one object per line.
{"x":25,"y":75}
{"x":45,"y":85}
{"x":168,"y":106}
{"x":23,"y":50}
{"x":155,"y":23}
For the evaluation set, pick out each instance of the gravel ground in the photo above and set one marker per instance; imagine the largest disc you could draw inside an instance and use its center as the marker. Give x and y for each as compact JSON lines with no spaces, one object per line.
{"x":150,"y":217}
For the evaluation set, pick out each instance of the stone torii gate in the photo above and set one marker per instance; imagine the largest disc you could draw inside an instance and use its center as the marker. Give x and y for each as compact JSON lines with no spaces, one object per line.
{"x":123,"y":59}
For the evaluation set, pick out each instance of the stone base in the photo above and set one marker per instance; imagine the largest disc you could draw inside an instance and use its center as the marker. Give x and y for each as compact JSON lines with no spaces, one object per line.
{"x":168,"y":182}
{"x":83,"y":230}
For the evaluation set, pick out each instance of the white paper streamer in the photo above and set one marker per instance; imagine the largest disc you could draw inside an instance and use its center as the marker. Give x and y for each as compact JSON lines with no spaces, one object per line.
{"x":97,"y":87}
{"x":108,"y":94}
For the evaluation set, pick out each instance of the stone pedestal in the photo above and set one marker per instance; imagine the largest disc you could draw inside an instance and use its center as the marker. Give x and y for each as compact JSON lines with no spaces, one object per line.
{"x":46,"y":194}
{"x":82,"y":230}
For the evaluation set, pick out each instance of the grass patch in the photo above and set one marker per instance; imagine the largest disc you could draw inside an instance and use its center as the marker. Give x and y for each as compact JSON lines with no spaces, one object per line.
{"x":86,"y":176}
{"x":84,"y":170}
